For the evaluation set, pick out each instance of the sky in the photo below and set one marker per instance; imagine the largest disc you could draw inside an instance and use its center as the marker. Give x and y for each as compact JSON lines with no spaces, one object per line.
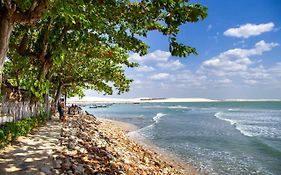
{"x":239,"y":46}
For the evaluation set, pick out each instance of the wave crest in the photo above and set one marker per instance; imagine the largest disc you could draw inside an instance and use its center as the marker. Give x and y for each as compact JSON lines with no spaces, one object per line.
{"x":158,"y":116}
{"x":219,"y":116}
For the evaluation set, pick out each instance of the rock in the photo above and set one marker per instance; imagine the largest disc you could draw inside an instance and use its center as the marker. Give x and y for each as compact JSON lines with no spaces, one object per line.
{"x":56,"y":171}
{"x":92,"y":147}
{"x":79,"y":169}
{"x":71,"y":145}
{"x":46,"y":170}
{"x":57,"y":164}
{"x":66,"y":165}
{"x":126,"y":161}
{"x":69,"y":172}
{"x":83,"y":150}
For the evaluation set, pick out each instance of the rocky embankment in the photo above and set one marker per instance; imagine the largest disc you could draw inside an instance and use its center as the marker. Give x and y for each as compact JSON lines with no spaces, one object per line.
{"x":91,"y":147}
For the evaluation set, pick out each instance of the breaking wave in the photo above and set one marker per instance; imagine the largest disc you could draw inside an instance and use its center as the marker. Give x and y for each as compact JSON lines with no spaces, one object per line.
{"x":252,"y":124}
{"x":157,"y":118}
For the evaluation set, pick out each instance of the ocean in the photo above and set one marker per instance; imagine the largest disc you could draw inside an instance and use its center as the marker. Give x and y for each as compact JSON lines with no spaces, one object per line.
{"x":215,"y":137}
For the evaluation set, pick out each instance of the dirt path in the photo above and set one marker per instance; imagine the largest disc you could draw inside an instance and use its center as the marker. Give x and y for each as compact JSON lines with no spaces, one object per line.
{"x":31,"y":154}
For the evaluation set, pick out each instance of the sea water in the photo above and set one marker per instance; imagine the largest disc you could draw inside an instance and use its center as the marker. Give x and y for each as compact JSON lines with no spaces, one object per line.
{"x":216,"y":137}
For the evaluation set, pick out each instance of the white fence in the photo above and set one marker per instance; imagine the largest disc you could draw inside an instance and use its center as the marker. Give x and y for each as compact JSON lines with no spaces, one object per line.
{"x":14,"y":111}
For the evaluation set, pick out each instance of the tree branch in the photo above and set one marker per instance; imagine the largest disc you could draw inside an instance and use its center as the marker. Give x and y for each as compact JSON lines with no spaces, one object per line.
{"x":34,"y":13}
{"x":45,"y":42}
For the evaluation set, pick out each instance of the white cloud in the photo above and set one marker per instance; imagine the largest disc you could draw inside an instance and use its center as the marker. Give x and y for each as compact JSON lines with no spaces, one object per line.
{"x":186,"y":78}
{"x":226,"y":64}
{"x":209,"y":27}
{"x":224,"y":81}
{"x":250,"y":82}
{"x":173,"y":65}
{"x":137,"y":82}
{"x":276,"y":69}
{"x":236,"y":59}
{"x":232,"y":69}
{"x":145,"y":69}
{"x":247,"y":30}
{"x":160,"y":76}
{"x":157,"y":55}
{"x":260,"y":75}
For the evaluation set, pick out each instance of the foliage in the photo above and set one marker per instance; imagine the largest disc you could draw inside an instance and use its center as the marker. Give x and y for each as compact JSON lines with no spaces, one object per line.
{"x":21,"y":74}
{"x":10,"y":131}
{"x":85,"y":44}
{"x":100,"y":72}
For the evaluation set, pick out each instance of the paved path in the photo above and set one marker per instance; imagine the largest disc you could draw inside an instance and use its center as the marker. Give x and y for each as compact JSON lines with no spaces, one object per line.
{"x":31,"y":154}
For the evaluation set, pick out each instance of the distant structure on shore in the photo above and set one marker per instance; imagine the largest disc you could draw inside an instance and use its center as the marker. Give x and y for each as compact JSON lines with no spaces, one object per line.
{"x":147,"y":99}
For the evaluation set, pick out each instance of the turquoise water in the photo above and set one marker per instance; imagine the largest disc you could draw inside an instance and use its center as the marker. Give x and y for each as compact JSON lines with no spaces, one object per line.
{"x":216,"y":137}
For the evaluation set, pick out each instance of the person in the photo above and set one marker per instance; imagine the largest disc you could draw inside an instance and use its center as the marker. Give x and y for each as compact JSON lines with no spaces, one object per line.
{"x":61,"y":109}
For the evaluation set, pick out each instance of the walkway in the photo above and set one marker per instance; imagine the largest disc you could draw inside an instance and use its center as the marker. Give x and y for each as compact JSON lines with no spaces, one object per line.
{"x":31,"y":154}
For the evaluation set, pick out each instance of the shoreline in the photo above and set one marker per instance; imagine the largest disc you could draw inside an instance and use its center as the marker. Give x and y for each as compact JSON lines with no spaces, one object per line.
{"x":93,"y":146}
{"x":84,"y":144}
{"x":164,"y":155}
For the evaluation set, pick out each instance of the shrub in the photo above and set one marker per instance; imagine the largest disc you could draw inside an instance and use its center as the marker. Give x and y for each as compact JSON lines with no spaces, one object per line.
{"x":10,"y":131}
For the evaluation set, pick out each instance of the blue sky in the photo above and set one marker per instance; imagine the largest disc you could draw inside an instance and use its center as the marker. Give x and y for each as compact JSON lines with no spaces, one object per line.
{"x":239,"y":46}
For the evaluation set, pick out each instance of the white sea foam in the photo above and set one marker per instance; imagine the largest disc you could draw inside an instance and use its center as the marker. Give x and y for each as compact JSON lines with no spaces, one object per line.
{"x":155,"y":106}
{"x":219,"y":116}
{"x":240,"y":128}
{"x":178,"y":107}
{"x":146,"y":131}
{"x":252,"y":124}
{"x":244,"y":131}
{"x":158,"y":117}
{"x":234,"y":109}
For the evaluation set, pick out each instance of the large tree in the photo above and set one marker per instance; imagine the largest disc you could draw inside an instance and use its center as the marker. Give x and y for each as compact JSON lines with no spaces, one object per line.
{"x":12,"y":12}
{"x":102,"y":72}
{"x":96,"y":32}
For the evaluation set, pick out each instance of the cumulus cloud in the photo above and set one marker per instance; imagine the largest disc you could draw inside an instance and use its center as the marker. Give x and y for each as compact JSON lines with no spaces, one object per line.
{"x":237,"y":59}
{"x":261,"y":75}
{"x":250,"y":82}
{"x":233,"y":68}
{"x":173,"y":65}
{"x":160,"y":76}
{"x":157,"y":55}
{"x":247,"y":30}
{"x":145,"y":69}
{"x":224,"y":81}
{"x":137,"y":82}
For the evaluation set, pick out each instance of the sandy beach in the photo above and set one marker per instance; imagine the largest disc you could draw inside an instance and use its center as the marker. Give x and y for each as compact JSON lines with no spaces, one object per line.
{"x":96,"y":100}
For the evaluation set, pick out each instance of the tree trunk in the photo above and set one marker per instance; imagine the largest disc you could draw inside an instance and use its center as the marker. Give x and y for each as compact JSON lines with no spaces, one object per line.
{"x":65,"y":96}
{"x":58,"y":95}
{"x":6,"y":28}
{"x":47,"y":105}
{"x":45,"y":73}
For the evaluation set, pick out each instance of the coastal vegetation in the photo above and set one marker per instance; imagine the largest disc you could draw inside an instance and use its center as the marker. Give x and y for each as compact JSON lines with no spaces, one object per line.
{"x":10,"y":131}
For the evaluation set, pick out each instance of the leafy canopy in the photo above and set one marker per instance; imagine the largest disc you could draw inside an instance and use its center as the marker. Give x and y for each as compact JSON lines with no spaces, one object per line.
{"x":85,"y":43}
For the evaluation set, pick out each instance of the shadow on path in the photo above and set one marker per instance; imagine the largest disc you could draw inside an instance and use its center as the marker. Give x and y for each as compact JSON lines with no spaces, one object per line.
{"x":31,"y":154}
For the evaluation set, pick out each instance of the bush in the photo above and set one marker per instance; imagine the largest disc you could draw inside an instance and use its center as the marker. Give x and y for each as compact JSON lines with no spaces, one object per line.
{"x":10,"y":131}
